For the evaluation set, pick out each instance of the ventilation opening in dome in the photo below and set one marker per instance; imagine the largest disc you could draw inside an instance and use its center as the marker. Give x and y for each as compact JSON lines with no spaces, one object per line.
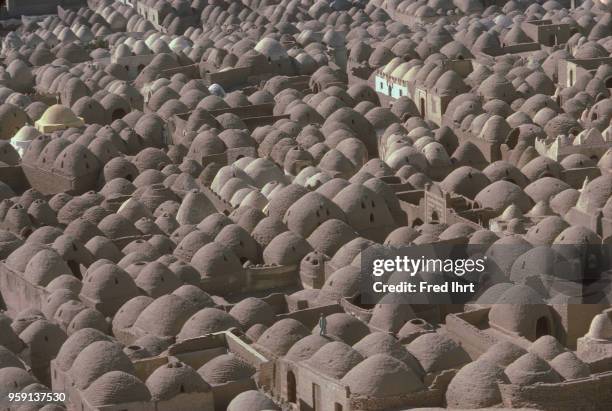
{"x":118,"y":114}
{"x":291,"y":388}
{"x":338,"y":407}
{"x":542,"y":327}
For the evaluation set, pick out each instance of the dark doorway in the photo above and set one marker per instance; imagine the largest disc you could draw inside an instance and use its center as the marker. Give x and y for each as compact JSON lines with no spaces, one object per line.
{"x":291,"y":387}
{"x":542,"y":327}
{"x":422,"y":107}
{"x":435,"y":219}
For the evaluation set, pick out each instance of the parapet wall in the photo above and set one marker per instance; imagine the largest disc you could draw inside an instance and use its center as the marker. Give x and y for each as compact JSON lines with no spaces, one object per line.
{"x":18,"y":293}
{"x":463,"y":328}
{"x":585,"y":394}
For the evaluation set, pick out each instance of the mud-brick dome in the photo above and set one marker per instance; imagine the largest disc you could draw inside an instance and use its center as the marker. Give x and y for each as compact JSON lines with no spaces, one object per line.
{"x":214,"y":260}
{"x":501,"y":194}
{"x":8,"y":338}
{"x":391,"y":313}
{"x":329,"y":236}
{"x":12,"y":119}
{"x":306,"y":347}
{"x":385,"y":343}
{"x":156,"y":279}
{"x":335,"y":359}
{"x":569,"y":366}
{"x":165,"y":316}
{"x":252,"y":400}
{"x":595,"y":194}
{"x":280,"y":337}
{"x":58,"y":117}
{"x":285,"y":249}
{"x":546,"y":347}
{"x":9,"y":242}
{"x":19,"y":258}
{"x":251,"y":311}
{"x":44,"y":339}
{"x":76,"y":160}
{"x":466,"y":181}
{"x":115,"y":226}
{"x":502,"y":353}
{"x":381,"y":376}
{"x":109,"y":285}
{"x":519,"y":310}
{"x":530,"y":369}
{"x":9,"y":359}
{"x":437,"y":352}
{"x":601,"y":327}
{"x":129,"y":312}
{"x":225,"y":368}
{"x":194,"y":296}
{"x":174,"y":378}
{"x":206,"y":321}
{"x":116,"y":387}
{"x":345,"y":327}
{"x":96,"y":359}
{"x":45,"y":266}
{"x":14,"y":379}
{"x":309,"y":212}
{"x":475,"y":386}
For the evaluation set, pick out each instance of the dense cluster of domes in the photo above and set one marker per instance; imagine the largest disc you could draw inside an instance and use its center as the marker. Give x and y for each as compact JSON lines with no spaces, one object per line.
{"x":189,"y":190}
